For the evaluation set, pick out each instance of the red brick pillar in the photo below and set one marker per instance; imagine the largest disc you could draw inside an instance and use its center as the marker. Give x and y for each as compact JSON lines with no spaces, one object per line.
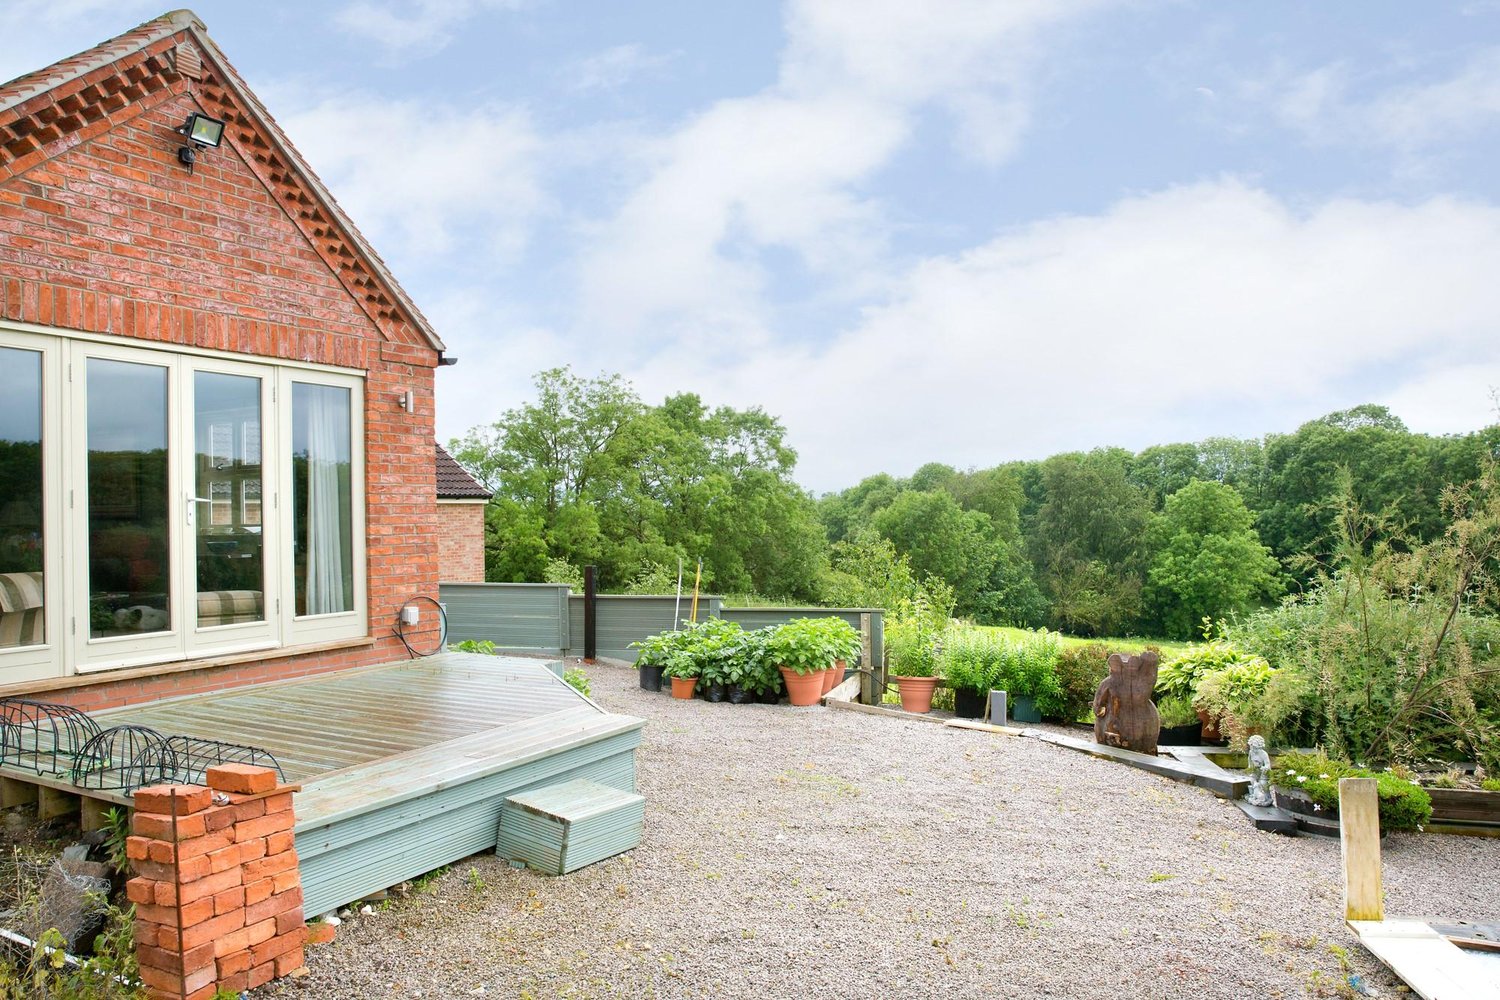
{"x":218,"y":896}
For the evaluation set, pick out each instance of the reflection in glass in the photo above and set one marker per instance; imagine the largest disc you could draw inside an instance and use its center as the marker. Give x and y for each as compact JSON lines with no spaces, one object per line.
{"x":21,"y":609}
{"x":226,"y":463}
{"x":322,"y":509}
{"x":129,"y":537}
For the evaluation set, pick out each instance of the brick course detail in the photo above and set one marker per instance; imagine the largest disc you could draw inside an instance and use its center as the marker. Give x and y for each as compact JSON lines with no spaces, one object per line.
{"x":201,"y":929}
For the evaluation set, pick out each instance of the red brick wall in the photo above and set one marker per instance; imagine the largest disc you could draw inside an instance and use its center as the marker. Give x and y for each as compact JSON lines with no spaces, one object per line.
{"x":113,"y":236}
{"x":218,"y":891}
{"x":460,"y":540}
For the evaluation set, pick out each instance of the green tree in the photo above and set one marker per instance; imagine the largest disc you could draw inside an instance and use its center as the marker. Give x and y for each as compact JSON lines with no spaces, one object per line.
{"x":943,"y":540}
{"x":1085,"y":541}
{"x":1208,"y":561}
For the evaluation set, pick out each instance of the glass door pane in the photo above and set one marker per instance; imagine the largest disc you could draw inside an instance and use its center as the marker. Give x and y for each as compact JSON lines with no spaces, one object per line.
{"x":322,"y":504}
{"x":21,"y":590}
{"x":129,"y":502}
{"x":227,"y":477}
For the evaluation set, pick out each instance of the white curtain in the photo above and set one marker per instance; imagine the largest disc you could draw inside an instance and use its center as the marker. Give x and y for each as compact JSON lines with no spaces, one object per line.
{"x":327,"y":437}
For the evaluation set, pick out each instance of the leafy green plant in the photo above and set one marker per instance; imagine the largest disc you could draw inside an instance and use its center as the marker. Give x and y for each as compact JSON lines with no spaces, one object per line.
{"x":110,"y":973}
{"x":578,"y":680}
{"x":802,"y":645}
{"x":1180,"y":676}
{"x":1232,"y":696}
{"x":1490,"y":785}
{"x":970,"y":659}
{"x":473,"y":646}
{"x":1404,"y":805}
{"x":1029,"y":670}
{"x":1176,"y":710}
{"x":912,"y":633}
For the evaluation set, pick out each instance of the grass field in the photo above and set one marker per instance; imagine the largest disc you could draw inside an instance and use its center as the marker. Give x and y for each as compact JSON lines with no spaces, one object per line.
{"x":1169,"y":648}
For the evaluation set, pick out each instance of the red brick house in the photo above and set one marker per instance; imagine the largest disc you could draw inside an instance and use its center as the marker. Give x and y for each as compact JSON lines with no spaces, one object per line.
{"x":216,"y":403}
{"x":461,"y":503}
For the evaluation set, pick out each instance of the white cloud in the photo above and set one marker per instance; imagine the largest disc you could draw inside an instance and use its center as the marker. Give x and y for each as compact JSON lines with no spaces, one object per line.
{"x":784,"y":171}
{"x":413,"y":27}
{"x":420,"y":180}
{"x":1214,"y":301}
{"x":1408,"y":117}
{"x":612,"y":68}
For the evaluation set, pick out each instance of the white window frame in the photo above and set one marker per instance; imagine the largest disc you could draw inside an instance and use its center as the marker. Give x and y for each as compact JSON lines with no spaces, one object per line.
{"x":32,"y":663}
{"x":303,"y":629}
{"x":67,"y":649}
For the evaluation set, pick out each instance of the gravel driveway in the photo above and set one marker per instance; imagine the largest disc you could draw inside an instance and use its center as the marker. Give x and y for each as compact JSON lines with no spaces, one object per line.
{"x":819,"y":853}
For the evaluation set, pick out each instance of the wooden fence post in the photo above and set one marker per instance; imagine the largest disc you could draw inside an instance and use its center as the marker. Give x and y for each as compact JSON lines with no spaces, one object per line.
{"x":867,"y":689}
{"x":1359,"y":835}
{"x":590,"y":623}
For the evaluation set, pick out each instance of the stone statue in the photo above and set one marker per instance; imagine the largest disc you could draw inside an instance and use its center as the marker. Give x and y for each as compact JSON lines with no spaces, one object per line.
{"x":1260,"y":773}
{"x":1124,"y":715}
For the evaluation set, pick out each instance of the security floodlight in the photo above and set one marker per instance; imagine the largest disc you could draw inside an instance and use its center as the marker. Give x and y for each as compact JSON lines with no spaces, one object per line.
{"x":202,"y":132}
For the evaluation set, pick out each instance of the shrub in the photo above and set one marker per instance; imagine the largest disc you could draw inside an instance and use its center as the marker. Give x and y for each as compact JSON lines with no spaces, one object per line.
{"x":1176,"y":710}
{"x":1490,"y":785}
{"x":1393,"y":656}
{"x":1403,"y":804}
{"x":1079,"y":670}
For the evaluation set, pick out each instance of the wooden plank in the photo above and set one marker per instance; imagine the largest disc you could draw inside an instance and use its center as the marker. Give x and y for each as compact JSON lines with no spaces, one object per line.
{"x":845,"y":690}
{"x":981,"y":727}
{"x":1359,"y":838}
{"x":888,"y":713}
{"x":1434,"y":967}
{"x":92,"y":813}
{"x":15,"y":792}
{"x":52,"y":802}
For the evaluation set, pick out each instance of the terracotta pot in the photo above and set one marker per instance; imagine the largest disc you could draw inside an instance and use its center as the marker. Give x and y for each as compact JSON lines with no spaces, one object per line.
{"x":831,"y":678}
{"x":682,"y":687}
{"x":1210,"y":726}
{"x":802,"y":689}
{"x":916,"y":693}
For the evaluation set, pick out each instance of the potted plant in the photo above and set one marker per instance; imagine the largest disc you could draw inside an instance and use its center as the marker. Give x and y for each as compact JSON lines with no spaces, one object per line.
{"x":1227,"y":697}
{"x":968,"y":663}
{"x":800,"y":649}
{"x":1181,"y":677}
{"x":683,"y":670}
{"x":843,"y":646}
{"x":1028,"y":673}
{"x":1180,"y":725}
{"x":911,"y":643}
{"x":653,"y":654}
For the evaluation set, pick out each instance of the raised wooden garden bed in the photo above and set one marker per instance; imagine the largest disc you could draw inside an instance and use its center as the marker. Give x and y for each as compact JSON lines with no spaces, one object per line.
{"x":1466,"y":811}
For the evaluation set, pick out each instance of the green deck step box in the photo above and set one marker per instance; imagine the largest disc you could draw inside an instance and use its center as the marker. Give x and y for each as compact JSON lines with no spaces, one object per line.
{"x":561,"y":828}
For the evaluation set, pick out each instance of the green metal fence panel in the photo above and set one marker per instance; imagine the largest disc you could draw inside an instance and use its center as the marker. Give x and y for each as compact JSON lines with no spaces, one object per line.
{"x":625,"y":618}
{"x":754,"y":618}
{"x":515,"y":616}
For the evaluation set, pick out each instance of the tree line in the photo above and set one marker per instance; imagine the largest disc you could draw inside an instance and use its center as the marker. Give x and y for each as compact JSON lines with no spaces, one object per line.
{"x":1105,"y":542}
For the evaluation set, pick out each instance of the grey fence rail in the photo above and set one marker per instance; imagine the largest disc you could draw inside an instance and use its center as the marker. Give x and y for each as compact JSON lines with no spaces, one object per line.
{"x":548,"y":618}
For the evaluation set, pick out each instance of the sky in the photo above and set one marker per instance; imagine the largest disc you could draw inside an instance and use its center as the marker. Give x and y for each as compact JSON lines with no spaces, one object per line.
{"x":965,"y":231}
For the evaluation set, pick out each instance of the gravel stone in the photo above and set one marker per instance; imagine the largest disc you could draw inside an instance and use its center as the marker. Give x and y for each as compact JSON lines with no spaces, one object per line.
{"x":821,"y":853}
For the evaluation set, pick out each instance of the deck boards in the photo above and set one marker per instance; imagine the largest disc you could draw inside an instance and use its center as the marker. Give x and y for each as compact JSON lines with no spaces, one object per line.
{"x":337,"y":721}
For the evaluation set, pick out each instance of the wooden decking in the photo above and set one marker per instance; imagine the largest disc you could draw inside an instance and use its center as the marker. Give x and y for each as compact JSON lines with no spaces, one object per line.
{"x":403,"y":767}
{"x":325,"y":724}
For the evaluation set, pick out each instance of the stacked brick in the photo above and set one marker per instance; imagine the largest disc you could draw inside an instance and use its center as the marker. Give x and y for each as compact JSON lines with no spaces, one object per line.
{"x":218,"y":894}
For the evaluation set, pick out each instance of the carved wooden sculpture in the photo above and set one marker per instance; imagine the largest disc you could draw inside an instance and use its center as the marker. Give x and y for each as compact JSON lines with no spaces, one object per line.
{"x":1124,"y":715}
